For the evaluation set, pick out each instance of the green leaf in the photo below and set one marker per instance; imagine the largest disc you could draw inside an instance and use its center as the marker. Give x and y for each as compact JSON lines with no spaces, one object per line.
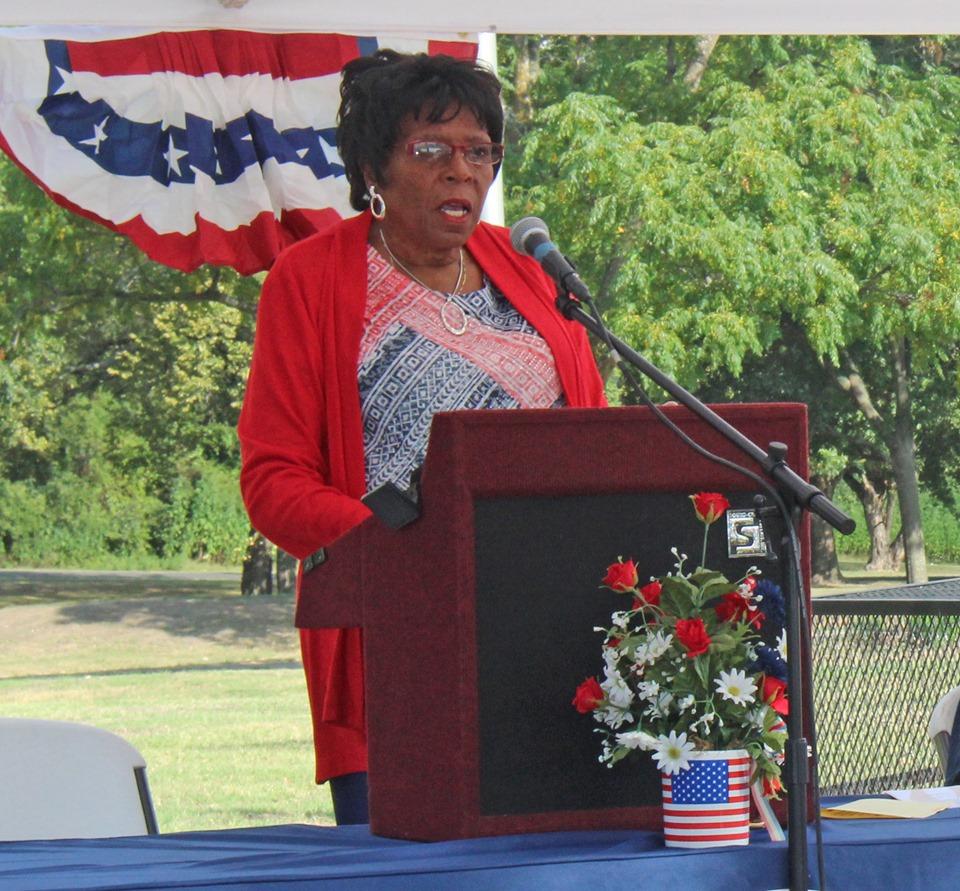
{"x":678,"y":597}
{"x":716,"y":587}
{"x":701,"y":665}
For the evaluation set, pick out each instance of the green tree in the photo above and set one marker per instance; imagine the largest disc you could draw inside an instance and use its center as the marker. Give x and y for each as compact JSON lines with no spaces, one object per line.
{"x":120,"y":384}
{"x":811,"y":181}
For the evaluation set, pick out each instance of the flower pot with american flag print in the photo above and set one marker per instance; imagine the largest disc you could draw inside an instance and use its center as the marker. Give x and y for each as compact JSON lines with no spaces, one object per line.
{"x":708,"y":804}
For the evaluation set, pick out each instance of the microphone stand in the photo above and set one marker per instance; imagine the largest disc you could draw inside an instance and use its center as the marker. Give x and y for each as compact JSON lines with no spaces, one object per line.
{"x":796,"y":494}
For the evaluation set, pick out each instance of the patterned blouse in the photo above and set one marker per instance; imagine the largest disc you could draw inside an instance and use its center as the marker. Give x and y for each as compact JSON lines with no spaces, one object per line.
{"x":411,"y":366}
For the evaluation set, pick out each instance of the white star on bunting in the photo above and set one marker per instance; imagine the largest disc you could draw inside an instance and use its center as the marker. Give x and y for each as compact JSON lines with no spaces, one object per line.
{"x":99,"y":135}
{"x":69,"y":85}
{"x":172,"y":156}
{"x":330,"y":152}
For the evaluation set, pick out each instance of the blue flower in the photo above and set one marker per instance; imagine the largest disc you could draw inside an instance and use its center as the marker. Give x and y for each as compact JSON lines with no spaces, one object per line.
{"x":773,"y":604}
{"x":770,"y":662}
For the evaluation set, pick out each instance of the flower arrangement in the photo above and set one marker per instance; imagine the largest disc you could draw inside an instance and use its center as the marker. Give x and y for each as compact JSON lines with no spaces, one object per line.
{"x":686,"y":669}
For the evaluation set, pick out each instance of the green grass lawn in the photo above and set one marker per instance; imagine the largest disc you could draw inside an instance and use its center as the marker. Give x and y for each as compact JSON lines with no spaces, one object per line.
{"x":206,"y":684}
{"x":856,"y":578}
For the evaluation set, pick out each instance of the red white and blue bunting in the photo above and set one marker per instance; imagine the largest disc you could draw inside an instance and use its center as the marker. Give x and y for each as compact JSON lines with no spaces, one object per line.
{"x":200,"y":146}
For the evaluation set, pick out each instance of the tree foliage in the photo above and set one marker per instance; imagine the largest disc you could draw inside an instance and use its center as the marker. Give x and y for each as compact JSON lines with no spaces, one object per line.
{"x":120,"y":382}
{"x":807,"y":189}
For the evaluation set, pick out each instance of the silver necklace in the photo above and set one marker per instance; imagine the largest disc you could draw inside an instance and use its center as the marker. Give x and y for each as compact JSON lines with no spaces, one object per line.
{"x":450,"y":305}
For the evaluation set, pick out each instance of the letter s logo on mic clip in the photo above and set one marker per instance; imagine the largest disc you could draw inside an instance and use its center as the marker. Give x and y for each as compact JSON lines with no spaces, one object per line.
{"x":531,"y":237}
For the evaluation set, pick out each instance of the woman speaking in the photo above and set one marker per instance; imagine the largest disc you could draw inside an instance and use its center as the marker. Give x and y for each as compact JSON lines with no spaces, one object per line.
{"x":367,"y":329}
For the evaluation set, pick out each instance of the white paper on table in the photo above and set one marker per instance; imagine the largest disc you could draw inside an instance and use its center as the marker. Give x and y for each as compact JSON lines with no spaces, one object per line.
{"x":882,"y":808}
{"x":948,"y":796}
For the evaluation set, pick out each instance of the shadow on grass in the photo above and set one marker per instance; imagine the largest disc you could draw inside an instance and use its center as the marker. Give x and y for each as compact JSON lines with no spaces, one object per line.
{"x":263,"y":621}
{"x":27,"y":586}
{"x":197,"y":605}
{"x":267,"y":665}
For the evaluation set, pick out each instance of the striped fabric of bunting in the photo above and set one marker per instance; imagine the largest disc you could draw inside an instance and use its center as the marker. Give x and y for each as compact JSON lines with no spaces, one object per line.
{"x":708,"y":805}
{"x":200,"y":146}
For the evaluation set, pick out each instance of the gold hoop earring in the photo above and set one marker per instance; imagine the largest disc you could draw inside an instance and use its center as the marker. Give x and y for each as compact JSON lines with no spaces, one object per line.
{"x":378,"y":207}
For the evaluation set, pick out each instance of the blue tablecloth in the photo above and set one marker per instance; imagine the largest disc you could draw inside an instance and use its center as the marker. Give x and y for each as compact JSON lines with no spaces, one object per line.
{"x":868,"y":854}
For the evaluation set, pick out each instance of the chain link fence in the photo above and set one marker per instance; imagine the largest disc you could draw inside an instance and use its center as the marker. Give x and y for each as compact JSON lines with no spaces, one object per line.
{"x":881,"y":661}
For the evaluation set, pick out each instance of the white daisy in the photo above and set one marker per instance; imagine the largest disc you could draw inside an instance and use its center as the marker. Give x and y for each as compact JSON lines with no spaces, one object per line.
{"x":782,"y":644}
{"x":637,"y":739}
{"x":736,"y":686}
{"x":672,"y":753}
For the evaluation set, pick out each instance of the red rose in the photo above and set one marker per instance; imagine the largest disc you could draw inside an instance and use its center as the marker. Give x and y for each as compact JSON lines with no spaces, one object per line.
{"x":692,"y":634}
{"x":737,"y":608}
{"x":732,"y":607}
{"x":587,"y":697}
{"x":621,"y":576}
{"x":775,"y":694}
{"x":709,"y":506}
{"x":649,"y":595}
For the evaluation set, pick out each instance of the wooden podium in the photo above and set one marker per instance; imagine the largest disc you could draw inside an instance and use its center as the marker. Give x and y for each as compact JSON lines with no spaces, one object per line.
{"x":478,"y":617}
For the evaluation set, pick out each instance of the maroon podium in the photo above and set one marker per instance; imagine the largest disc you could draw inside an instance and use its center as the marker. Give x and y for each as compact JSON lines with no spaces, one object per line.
{"x":478,"y":617}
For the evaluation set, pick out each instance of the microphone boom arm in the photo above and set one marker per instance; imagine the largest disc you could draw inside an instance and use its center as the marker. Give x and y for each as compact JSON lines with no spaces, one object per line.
{"x":803,"y":493}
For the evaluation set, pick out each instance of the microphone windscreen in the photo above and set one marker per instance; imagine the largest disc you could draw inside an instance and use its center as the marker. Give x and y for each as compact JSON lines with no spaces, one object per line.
{"x":521,"y":231}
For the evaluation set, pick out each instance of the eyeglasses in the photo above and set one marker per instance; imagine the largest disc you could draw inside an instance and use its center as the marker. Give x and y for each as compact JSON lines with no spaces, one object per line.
{"x":431,"y":151}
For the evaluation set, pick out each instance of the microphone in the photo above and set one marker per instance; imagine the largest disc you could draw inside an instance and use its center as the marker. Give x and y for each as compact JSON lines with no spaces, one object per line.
{"x":530,"y":236}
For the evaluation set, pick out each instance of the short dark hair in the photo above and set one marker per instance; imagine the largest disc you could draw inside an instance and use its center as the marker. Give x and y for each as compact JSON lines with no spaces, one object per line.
{"x":377,"y":92}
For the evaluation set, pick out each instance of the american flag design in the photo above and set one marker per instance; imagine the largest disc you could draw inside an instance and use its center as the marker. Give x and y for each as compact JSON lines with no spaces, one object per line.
{"x":200,"y":146}
{"x":708,"y":805}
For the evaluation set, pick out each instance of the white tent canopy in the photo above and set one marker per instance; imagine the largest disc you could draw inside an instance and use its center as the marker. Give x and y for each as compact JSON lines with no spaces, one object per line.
{"x":443,"y":18}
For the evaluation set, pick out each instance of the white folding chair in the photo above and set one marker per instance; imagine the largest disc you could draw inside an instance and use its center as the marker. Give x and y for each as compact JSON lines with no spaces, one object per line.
{"x":65,"y":780}
{"x":941,"y":725}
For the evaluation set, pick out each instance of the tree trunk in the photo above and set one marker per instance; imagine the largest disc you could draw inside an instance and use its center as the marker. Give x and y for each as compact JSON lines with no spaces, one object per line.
{"x":897,"y":549}
{"x":898,"y":437}
{"x":825,"y":568}
{"x":698,"y":65}
{"x":877,"y":498}
{"x":671,"y":58}
{"x":257,"y":575}
{"x":526,"y":73}
{"x":286,"y":572}
{"x":904,"y":456}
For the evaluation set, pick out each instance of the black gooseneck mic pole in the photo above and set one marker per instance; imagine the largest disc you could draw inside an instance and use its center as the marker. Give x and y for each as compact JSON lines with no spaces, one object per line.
{"x":530,"y":236}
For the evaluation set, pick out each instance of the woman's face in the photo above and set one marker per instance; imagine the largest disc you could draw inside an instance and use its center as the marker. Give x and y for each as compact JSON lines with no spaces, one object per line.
{"x":434,"y":206}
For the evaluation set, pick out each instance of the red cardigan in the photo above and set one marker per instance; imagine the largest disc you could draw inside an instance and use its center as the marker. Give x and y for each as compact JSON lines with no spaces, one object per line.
{"x":301,"y":434}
